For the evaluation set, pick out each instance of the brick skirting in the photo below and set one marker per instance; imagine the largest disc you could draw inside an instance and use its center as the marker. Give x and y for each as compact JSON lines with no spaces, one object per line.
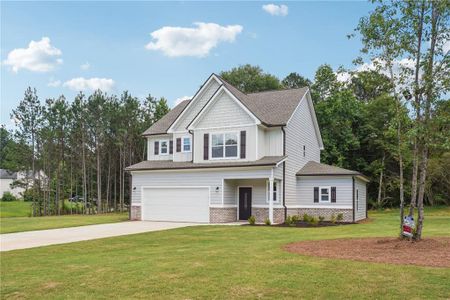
{"x":222,"y":214}
{"x":135,"y":214}
{"x":262,"y":213}
{"x":324,"y":212}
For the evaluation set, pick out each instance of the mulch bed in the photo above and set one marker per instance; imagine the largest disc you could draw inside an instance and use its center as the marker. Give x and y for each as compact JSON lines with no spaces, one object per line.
{"x":429,"y":252}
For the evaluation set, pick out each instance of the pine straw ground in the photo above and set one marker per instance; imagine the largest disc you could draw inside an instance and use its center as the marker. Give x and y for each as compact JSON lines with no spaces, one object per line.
{"x":431,"y":252}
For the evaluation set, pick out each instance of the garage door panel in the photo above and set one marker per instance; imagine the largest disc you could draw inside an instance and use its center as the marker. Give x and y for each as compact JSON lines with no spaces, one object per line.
{"x":176,"y":204}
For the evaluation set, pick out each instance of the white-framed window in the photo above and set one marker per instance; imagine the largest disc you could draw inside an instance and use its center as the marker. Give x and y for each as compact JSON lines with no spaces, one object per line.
{"x":164,"y":147}
{"x":186,"y":144}
{"x":324,"y":194}
{"x":224,"y":145}
{"x":276,"y":192}
{"x":357,"y":199}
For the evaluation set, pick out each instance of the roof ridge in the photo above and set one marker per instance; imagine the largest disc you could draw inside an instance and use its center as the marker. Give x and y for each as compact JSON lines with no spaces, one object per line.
{"x":280,"y":90}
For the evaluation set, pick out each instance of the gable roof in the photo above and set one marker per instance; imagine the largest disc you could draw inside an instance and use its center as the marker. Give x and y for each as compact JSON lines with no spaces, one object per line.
{"x":6,"y":174}
{"x":272,"y":108}
{"x":313,"y":168}
{"x":163,"y":124}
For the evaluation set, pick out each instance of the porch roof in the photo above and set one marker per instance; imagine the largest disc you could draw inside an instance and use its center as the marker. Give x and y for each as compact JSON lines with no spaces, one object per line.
{"x":175,"y":165}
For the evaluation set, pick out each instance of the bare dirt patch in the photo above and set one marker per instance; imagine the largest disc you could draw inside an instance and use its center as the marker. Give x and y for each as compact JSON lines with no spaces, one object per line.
{"x":430,"y":252}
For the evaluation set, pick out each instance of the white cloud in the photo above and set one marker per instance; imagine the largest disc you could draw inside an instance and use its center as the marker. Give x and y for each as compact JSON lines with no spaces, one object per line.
{"x":40,"y":56}
{"x":85,"y":66}
{"x":82,"y":84}
{"x":276,"y":10}
{"x":192,"y":41}
{"x":54,"y":83}
{"x":181,"y":99}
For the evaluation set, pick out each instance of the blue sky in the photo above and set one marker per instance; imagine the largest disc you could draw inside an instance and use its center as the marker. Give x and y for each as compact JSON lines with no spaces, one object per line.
{"x":106,"y":44}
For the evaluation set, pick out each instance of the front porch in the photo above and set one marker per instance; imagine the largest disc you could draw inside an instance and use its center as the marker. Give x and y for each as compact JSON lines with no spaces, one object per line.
{"x":245,"y":197}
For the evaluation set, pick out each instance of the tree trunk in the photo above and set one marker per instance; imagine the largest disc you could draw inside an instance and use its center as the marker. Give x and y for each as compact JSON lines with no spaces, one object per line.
{"x":400,"y":165}
{"x":380,"y":184}
{"x":99,"y":177}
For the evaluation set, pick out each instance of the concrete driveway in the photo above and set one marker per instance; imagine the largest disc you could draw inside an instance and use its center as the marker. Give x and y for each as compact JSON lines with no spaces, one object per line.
{"x":31,"y":239}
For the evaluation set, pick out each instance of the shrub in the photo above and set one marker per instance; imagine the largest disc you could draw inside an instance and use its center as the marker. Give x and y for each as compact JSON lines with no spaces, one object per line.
{"x":7,"y":196}
{"x":333,"y":218}
{"x":313,"y":221}
{"x":252,"y":220}
{"x":288,"y":220}
{"x":321,"y":219}
{"x":267,"y":222}
{"x":340,"y":217}
{"x":295,"y":218}
{"x":305,"y":217}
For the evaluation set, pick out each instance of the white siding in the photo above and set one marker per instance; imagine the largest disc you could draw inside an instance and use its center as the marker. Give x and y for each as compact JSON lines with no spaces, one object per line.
{"x":261,"y":142}
{"x":205,"y":177}
{"x":360,"y":212}
{"x":250,"y":143}
{"x":151,"y":147}
{"x":299,"y":131}
{"x":224,"y":111}
{"x":181,"y":156}
{"x":273,"y":142}
{"x":194,"y":108}
{"x":305,"y":191}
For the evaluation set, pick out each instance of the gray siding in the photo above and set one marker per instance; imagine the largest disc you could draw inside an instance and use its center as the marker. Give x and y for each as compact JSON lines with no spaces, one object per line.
{"x":360,"y":212}
{"x":299,"y":131}
{"x":151,"y":148}
{"x":344,"y":192}
{"x":181,"y":156}
{"x":194,"y":108}
{"x":211,"y":178}
{"x":250,"y":143}
{"x":259,"y":191}
{"x":224,"y":111}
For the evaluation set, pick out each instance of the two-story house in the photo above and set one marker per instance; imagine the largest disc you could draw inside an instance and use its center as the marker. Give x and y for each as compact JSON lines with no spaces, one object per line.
{"x":225,"y":155}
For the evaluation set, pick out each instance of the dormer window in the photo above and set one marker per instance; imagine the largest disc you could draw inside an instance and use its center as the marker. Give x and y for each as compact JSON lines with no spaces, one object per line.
{"x":224,"y":145}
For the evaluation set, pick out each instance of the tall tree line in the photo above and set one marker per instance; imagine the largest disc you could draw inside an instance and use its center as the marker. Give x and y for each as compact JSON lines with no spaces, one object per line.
{"x":80,"y":147}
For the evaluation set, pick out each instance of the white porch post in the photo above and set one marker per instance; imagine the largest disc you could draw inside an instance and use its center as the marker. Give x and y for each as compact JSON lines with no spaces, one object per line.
{"x":271,"y":198}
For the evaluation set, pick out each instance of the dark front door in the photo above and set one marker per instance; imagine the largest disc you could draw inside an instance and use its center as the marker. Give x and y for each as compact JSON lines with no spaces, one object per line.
{"x":245,"y":203}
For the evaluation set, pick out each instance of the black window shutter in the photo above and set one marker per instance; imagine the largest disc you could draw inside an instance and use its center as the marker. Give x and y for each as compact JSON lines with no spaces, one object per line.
{"x":171,"y":147}
{"x":178,"y":144}
{"x":316,"y":194}
{"x":333,"y":194}
{"x":243,"y":143}
{"x":206,"y":146}
{"x":156,"y":147}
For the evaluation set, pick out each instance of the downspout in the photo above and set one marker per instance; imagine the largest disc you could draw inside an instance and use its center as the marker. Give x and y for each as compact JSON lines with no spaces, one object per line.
{"x":284,"y":173}
{"x":353,"y":197}
{"x":192,"y":144}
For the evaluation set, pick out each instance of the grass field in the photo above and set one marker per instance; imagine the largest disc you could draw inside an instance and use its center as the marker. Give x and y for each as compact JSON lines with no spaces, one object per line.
{"x":14,"y":218}
{"x":15,"y":209}
{"x":221,"y":262}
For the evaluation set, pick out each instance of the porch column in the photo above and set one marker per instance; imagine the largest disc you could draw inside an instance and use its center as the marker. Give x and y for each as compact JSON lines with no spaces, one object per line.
{"x":271,"y":198}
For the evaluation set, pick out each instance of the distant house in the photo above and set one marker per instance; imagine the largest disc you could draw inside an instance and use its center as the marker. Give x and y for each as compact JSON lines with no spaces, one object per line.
{"x":225,"y":155}
{"x":16,"y":182}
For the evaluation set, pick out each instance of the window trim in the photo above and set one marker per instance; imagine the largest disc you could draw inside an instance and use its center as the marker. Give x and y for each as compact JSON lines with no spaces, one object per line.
{"x":238,"y":141}
{"x":275,"y":182}
{"x":182,"y":144}
{"x":167,"y":147}
{"x":329,"y":194}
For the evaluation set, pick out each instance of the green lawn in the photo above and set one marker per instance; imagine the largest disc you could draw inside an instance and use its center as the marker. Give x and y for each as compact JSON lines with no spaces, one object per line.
{"x":8,"y":225}
{"x":15,"y":209}
{"x":221,"y":262}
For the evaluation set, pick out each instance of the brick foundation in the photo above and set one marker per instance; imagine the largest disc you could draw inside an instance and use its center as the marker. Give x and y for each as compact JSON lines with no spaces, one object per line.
{"x":135,"y":214}
{"x":222,"y":214}
{"x":324,"y":212}
{"x":261,"y":214}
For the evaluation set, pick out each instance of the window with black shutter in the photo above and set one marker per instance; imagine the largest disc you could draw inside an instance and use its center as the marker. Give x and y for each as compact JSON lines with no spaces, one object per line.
{"x":178,"y":144}
{"x":206,"y":146}
{"x":156,"y":147}
{"x":333,"y":194}
{"x":316,"y":194}
{"x":243,"y":143}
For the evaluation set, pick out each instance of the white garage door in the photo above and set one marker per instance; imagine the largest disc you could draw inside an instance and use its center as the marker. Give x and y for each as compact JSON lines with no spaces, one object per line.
{"x":186,"y":204}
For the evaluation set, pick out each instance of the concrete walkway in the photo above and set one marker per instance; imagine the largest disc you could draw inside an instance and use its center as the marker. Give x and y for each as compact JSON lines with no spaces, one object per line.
{"x":31,"y":239}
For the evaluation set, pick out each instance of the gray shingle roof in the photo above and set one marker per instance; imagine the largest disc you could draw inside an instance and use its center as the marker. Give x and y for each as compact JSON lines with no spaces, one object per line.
{"x":6,"y":174}
{"x":161,"y":126}
{"x":313,"y":168}
{"x":272,"y":108}
{"x":167,"y":164}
